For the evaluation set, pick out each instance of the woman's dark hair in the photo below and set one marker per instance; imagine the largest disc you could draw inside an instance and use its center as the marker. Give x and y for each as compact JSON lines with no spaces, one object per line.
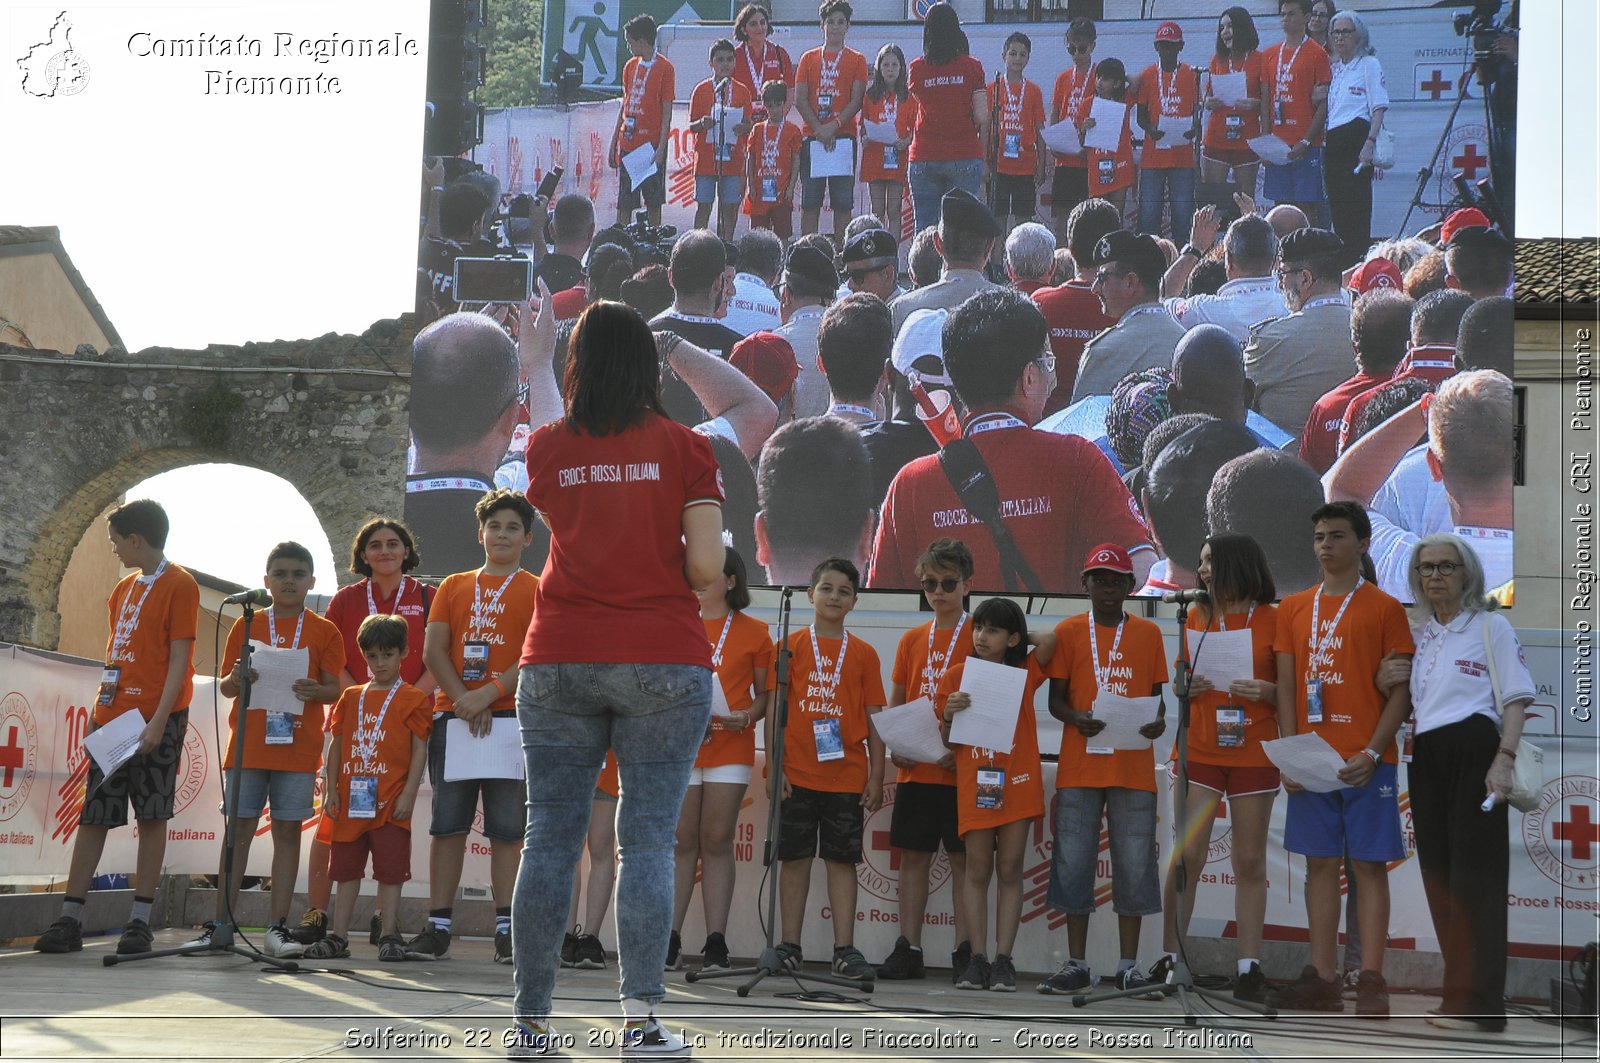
{"x":746,"y":13}
{"x":358,"y":546}
{"x":613,"y":374}
{"x":1006,"y":615}
{"x":1113,"y":68}
{"x":877,"y":88}
{"x":1239,"y":572}
{"x":1245,"y":37}
{"x":609,"y":266}
{"x":648,"y":291}
{"x":739,"y":594}
{"x":943,"y":39}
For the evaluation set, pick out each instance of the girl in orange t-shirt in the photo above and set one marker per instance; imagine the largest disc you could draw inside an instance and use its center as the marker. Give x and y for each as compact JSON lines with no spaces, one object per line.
{"x":1226,"y":760}
{"x":883,"y":166}
{"x":1112,"y":174}
{"x":741,"y":655}
{"x":998,"y":795}
{"x":1225,"y":143}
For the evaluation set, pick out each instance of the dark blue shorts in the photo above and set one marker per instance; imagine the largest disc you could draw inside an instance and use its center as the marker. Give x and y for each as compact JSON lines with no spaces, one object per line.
{"x":1363,"y":821}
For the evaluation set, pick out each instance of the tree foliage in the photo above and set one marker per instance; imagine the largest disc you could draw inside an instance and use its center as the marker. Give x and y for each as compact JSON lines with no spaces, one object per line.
{"x":513,"y":39}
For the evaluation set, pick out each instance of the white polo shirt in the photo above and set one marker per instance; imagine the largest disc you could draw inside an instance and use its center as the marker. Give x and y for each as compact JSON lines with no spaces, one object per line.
{"x":1450,"y":676}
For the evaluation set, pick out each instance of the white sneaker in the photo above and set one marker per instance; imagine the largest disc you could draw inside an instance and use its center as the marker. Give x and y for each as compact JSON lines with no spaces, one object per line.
{"x":529,"y":1039}
{"x":651,"y":1040}
{"x":278,"y":943}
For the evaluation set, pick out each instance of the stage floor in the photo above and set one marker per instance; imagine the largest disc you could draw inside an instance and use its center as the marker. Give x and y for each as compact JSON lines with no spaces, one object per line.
{"x":226,"y":1008}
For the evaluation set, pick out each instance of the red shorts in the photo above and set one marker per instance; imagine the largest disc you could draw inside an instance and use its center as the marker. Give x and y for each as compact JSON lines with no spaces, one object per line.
{"x":1231,"y":781}
{"x":390,"y":847}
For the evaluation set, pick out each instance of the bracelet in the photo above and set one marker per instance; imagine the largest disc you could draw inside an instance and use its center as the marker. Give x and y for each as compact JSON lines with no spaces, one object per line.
{"x":1190,"y":249}
{"x":1375,"y":758}
{"x":1512,"y":753}
{"x":498,"y":685}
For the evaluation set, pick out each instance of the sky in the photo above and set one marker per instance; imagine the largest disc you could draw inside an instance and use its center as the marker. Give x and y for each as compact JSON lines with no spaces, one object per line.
{"x":173,"y":191}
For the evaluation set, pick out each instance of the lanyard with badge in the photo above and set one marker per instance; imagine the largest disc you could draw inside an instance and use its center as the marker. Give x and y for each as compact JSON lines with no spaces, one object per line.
{"x":127,"y":624}
{"x":827,"y":732}
{"x":757,"y":76}
{"x":1233,"y":121}
{"x":1230,"y":718}
{"x":829,"y":79}
{"x":719,"y":692}
{"x":1011,"y":119}
{"x":1284,"y":75}
{"x":641,"y":81}
{"x":1319,"y":648}
{"x":475,"y":648}
{"x":1326,"y":300}
{"x":930,"y":675}
{"x":280,"y":725}
{"x":399,"y":592}
{"x":993,"y":422}
{"x":770,"y":141}
{"x":1102,"y":675}
{"x":363,"y":802}
{"x":891,"y":118}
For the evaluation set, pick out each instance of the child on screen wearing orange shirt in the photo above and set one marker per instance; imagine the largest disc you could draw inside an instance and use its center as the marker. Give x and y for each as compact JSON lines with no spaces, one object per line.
{"x":832,"y":765}
{"x":645,"y":119}
{"x":1019,"y":155}
{"x":772,"y":156}
{"x":371,"y":776}
{"x":581,"y":947}
{"x":719,"y":151}
{"x":883,"y":166}
{"x":1112,"y":174}
{"x":282,"y":751}
{"x":999,"y":795}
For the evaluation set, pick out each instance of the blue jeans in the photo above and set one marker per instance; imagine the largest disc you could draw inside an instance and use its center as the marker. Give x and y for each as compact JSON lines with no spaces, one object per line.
{"x":1158,"y":184}
{"x":931,"y":180}
{"x":653,"y":716}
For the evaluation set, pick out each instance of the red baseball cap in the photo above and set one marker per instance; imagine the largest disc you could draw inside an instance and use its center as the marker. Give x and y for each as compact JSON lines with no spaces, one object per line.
{"x":768,"y":360}
{"x":1110,"y":557}
{"x":1169,"y":31}
{"x":1465,"y":218}
{"x":1376,"y":273}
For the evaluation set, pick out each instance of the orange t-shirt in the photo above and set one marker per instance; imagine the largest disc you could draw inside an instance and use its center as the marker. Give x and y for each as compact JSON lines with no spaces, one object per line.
{"x":1023,"y":781}
{"x":410,"y":715}
{"x":610,"y":778}
{"x":1137,"y":666}
{"x":154,"y":615}
{"x":746,"y":651}
{"x":772,"y":161}
{"x":1072,"y":88}
{"x":705,"y":152}
{"x":834,"y":81}
{"x":1260,"y":717}
{"x":1372,"y":627}
{"x":325,"y":644}
{"x":476,"y":608}
{"x":841,"y":712}
{"x":1289,"y":75}
{"x":1021,"y":118}
{"x":1234,"y":127}
{"x":873,"y":154}
{"x":1110,"y":171}
{"x":920,"y":676}
{"x":645,"y":90}
{"x":1174,"y":95}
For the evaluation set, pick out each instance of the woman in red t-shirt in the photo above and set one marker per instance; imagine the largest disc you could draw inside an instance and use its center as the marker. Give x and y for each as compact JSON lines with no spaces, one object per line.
{"x":1225,"y":143}
{"x":947,"y":148}
{"x":756,"y":58}
{"x":883,"y":166}
{"x":1225,"y":737}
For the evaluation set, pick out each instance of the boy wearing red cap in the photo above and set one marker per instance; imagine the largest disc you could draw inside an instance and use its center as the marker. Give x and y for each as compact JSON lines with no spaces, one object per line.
{"x":1167,"y":97}
{"x":1104,"y":651}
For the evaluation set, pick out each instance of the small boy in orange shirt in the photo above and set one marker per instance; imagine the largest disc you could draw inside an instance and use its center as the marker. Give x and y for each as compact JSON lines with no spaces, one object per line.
{"x":719,"y":154}
{"x":773,"y":152}
{"x":374,"y":767}
{"x":1019,"y":155}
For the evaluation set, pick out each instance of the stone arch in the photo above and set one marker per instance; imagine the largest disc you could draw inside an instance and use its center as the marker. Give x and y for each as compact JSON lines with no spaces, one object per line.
{"x":327,"y":415}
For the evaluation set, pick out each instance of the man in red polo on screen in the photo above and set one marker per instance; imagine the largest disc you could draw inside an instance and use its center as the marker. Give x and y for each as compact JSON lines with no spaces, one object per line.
{"x":1057,"y":495}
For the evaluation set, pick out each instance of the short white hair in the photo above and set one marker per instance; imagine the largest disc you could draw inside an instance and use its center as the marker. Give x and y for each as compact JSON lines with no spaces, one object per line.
{"x":1031,"y":251}
{"x":1363,"y":38}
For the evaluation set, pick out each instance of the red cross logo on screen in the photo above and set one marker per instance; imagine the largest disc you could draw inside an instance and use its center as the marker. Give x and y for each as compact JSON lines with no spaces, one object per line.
{"x":11,"y":756}
{"x":1577,"y":832}
{"x":1436,"y":85}
{"x":880,"y":843}
{"x":1469,"y":162}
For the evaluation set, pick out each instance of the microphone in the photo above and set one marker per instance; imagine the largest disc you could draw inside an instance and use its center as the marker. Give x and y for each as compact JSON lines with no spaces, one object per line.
{"x":1187,"y":597}
{"x":256,"y":597}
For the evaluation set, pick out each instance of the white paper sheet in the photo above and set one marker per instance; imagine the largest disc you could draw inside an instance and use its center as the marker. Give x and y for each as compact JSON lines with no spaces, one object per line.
{"x":1123,"y":718}
{"x":1308,"y":759}
{"x":1271,"y":148}
{"x":497,"y":755}
{"x":1231,"y":89}
{"x":1107,"y":131}
{"x":1173,"y":128}
{"x":719,"y":698}
{"x":726,"y":118}
{"x":991,"y":720}
{"x":840,"y":162}
{"x":277,"y":671}
{"x":1063,"y":137}
{"x":114,"y":744}
{"x":882,"y":132}
{"x":912,"y":730}
{"x":640,"y":163}
{"x":1224,"y":656}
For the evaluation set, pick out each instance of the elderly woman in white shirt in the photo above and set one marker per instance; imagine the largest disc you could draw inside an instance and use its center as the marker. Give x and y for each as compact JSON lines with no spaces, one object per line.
{"x":1358,"y":98}
{"x":1462,"y":760}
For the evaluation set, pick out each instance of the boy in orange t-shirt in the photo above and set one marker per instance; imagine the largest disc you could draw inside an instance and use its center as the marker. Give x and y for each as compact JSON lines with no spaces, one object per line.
{"x":371,"y":776}
{"x":773,"y":152}
{"x":645,"y":118}
{"x":1104,"y":651}
{"x":1018,"y":154}
{"x":719,"y":154}
{"x":282,"y":751}
{"x":832,"y":765}
{"x":1168,"y":94}
{"x":1295,"y":77}
{"x":149,"y":670}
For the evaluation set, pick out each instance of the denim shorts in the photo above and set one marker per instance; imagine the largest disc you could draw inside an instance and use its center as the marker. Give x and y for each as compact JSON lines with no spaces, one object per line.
{"x":841,"y":190}
{"x":505,"y":801}
{"x":289,"y":793}
{"x":707,"y":191}
{"x":1363,"y":821}
{"x":1296,"y":182}
{"x":1131,"y":822}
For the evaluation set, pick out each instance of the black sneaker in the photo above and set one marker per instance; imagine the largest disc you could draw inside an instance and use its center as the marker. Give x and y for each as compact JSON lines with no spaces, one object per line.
{"x":675,"y":951}
{"x":1130,"y":978}
{"x":64,"y":935}
{"x":392,"y":948}
{"x":502,"y":947}
{"x":789,"y":955}
{"x":849,"y":963}
{"x":136,"y":938}
{"x":1160,"y":971}
{"x":976,"y":975}
{"x":1310,"y":992}
{"x":1251,"y":986}
{"x":330,"y":947}
{"x":1002,"y":974}
{"x":903,"y":963}
{"x":569,"y":949}
{"x":313,"y":926}
{"x":1069,"y":978}
{"x":203,"y":940}
{"x":1372,"y":996}
{"x":714,"y":955}
{"x":958,"y":960}
{"x":375,"y":930}
{"x":589,"y":954}
{"x":432,"y":944}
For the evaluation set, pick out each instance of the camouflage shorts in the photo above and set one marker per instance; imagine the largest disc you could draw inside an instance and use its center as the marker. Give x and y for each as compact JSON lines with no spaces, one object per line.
{"x":150,"y":782}
{"x":810,"y":814}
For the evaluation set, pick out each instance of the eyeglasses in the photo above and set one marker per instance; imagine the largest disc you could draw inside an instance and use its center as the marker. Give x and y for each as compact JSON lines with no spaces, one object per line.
{"x":1443,"y":568}
{"x":1047,"y":362}
{"x":1105,"y":274}
{"x":1079,"y":49}
{"x":1284,"y":271}
{"x":1343,"y":33}
{"x":929,"y":585}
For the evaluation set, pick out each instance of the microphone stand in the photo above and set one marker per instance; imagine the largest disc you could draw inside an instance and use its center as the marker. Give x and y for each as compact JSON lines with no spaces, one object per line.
{"x":992,"y":152}
{"x":770,"y":964}
{"x":223,"y":931}
{"x":719,"y":97}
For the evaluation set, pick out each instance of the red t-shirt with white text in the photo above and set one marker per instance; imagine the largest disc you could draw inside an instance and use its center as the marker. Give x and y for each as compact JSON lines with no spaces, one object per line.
{"x":945,"y":129}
